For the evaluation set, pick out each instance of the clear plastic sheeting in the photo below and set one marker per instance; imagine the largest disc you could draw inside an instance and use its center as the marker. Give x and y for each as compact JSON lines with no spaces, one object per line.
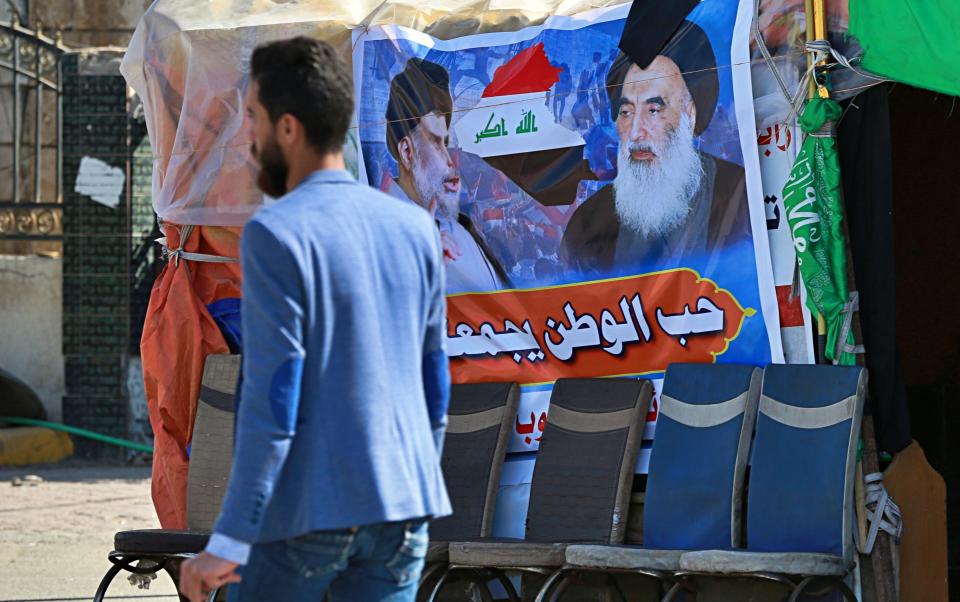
{"x":188,"y":62}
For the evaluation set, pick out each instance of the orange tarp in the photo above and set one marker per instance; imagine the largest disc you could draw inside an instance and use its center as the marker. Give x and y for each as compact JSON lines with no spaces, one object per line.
{"x":178,"y":334}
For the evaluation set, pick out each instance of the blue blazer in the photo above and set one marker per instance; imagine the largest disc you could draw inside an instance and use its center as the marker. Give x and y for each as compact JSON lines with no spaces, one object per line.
{"x":344,"y":365}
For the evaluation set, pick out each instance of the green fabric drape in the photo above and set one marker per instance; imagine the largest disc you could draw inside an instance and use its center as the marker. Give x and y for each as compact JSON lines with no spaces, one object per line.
{"x":911,"y":41}
{"x":815,"y":214}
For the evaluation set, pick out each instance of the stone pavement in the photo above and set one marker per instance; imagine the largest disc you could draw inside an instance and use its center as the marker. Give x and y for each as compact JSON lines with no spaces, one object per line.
{"x":55,"y":535}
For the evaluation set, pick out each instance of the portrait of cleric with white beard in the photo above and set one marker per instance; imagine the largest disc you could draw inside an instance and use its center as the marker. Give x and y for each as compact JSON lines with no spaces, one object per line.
{"x":669,"y":200}
{"x":418,"y":121}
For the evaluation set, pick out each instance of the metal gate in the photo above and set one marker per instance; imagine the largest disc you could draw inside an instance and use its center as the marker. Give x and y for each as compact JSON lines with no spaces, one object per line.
{"x":31,"y":148}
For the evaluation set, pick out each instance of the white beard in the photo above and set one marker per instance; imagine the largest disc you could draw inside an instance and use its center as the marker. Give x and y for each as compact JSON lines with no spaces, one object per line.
{"x":428,"y":182}
{"x":654,"y":198}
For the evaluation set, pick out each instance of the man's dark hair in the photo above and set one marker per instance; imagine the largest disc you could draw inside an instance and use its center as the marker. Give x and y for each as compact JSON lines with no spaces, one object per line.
{"x":307,"y":79}
{"x":421,"y":88}
{"x":690,"y":49}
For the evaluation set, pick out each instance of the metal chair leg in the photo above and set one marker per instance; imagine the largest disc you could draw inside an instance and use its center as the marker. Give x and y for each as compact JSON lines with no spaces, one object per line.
{"x":837,"y":583}
{"x":507,"y":585}
{"x":545,"y":588}
{"x":673,"y":592}
{"x":612,"y":578}
{"x":105,"y":582}
{"x":429,"y":570}
{"x":439,"y":584}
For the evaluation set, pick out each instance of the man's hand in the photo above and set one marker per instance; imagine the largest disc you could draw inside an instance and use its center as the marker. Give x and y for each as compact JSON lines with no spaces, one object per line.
{"x":204,"y":573}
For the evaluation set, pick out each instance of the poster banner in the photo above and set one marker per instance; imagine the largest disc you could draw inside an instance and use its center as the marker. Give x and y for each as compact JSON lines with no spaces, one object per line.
{"x":593,"y":213}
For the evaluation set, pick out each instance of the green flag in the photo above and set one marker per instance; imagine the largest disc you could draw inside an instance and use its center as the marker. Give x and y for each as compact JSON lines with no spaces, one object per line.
{"x":912,"y":41}
{"x":812,"y":200}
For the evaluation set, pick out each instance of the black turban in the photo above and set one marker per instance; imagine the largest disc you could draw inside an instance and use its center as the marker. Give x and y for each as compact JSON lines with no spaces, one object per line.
{"x":421,"y":88}
{"x":690,"y":49}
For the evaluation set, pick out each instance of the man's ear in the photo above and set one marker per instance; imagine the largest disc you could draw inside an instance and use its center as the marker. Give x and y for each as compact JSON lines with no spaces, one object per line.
{"x":288,"y":130}
{"x":405,"y":153}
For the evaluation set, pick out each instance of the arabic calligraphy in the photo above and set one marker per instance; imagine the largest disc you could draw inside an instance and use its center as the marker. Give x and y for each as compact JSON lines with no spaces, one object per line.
{"x":528,"y":427}
{"x":489,"y":342}
{"x":773,"y":137}
{"x":632,"y":325}
{"x":492,"y":130}
{"x":708,"y":318}
{"x":772,"y":222}
{"x":528,"y":124}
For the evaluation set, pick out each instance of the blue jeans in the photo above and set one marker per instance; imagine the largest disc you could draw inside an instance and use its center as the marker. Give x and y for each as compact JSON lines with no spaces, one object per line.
{"x":376,"y":563}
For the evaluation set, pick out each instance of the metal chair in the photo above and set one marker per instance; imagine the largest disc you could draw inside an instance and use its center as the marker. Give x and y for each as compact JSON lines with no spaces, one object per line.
{"x":479,"y":422}
{"x":695,"y":484}
{"x":800,"y":511}
{"x":581,"y":483}
{"x":147,"y":551}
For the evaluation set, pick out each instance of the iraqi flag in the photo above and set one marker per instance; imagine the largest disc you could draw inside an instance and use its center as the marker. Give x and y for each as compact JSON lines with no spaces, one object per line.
{"x":514,"y":131}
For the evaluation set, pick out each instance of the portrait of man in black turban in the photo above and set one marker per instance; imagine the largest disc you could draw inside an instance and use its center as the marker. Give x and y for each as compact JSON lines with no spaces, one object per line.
{"x":669,"y":199}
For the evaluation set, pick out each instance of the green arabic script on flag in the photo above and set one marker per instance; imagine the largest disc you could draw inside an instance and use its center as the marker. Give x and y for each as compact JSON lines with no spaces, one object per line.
{"x":812,"y":200}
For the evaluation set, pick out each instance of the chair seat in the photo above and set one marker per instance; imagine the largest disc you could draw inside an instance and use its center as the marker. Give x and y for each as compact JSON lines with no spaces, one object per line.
{"x":160,"y":541}
{"x":507,"y":553}
{"x":622,"y":557}
{"x":438,"y":551}
{"x":787,"y":563}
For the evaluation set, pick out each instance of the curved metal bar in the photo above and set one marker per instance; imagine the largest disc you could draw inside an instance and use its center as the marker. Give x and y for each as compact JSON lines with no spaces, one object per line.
{"x":836,"y":582}
{"x":105,"y":582}
{"x":672,"y":593}
{"x":545,"y":588}
{"x":777,"y":577}
{"x":126,"y":563}
{"x":507,"y":585}
{"x":429,"y":570}
{"x":439,"y":584}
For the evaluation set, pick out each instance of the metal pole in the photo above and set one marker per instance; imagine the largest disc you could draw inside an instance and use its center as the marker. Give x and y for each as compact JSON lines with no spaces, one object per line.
{"x":811,"y":35}
{"x":16,"y":117}
{"x":59,"y":95}
{"x":38,"y":127}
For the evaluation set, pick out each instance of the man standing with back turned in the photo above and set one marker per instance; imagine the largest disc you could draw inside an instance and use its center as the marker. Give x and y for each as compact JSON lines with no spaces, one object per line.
{"x":335,"y":471}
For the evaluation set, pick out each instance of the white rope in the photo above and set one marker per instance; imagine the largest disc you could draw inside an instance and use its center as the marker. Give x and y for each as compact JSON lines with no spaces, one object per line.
{"x":819,"y":50}
{"x":882,"y":512}
{"x":175,"y":255}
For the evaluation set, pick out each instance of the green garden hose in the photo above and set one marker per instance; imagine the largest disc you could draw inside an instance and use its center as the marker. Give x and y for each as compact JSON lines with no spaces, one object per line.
{"x":80,"y":432}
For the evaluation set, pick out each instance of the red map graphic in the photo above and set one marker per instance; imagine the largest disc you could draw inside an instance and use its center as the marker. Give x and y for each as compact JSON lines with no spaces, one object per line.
{"x":529,"y":71}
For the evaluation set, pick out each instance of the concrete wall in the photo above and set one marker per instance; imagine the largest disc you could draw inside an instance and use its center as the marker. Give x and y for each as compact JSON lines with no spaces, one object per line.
{"x":90,"y":22}
{"x":31,"y":331}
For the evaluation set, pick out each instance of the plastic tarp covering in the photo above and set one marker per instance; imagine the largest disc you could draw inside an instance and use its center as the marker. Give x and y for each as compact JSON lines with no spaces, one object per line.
{"x":188,"y":63}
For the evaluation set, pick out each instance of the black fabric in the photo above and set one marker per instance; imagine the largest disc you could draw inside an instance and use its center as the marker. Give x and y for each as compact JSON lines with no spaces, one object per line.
{"x":467,"y":462}
{"x":472,"y":398}
{"x":575,"y":484}
{"x":549,"y":176}
{"x":160,"y":541}
{"x":650,"y":25}
{"x":866,"y":167}
{"x":687,"y":45}
{"x":421,"y":88}
{"x":225,"y":402}
{"x":596,"y":395}
{"x":590,"y":238}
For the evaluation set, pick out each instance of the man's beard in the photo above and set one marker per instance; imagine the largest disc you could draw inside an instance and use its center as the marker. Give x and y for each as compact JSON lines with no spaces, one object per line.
{"x":428,"y":181}
{"x":272,"y":177}
{"x":654,"y":197}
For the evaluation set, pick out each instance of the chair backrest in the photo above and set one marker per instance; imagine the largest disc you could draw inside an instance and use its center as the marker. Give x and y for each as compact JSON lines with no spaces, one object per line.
{"x":804,"y":458}
{"x":694,"y":497}
{"x":479,"y":422}
{"x":580,"y":491}
{"x":211,"y":450}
